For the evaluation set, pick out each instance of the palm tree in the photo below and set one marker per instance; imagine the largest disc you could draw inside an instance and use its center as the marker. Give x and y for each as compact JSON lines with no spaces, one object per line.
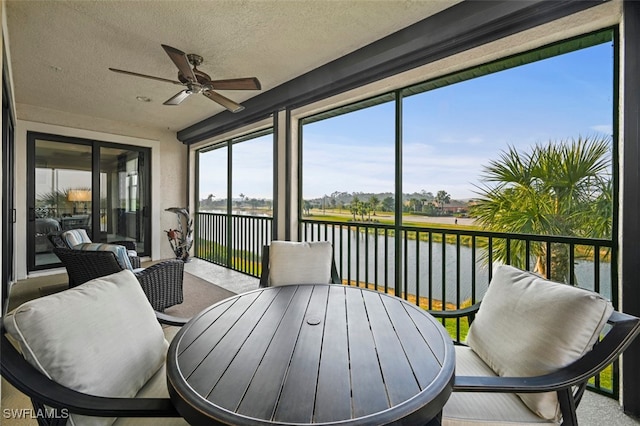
{"x":442,"y":198}
{"x":306,"y":207}
{"x":355,"y":207}
{"x":561,"y":188}
{"x":415,"y":204}
{"x":388,"y":204}
{"x":374,"y":203}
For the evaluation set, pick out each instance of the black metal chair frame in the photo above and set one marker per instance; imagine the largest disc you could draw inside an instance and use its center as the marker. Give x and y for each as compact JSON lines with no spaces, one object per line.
{"x":52,"y":400}
{"x":264,"y":275}
{"x":161,"y":282}
{"x":569,"y":382}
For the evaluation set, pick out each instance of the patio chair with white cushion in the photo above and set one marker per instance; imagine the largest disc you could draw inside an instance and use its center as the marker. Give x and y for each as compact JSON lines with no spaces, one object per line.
{"x":530,"y":351}
{"x":286,"y":262}
{"x":95,"y":350}
{"x":79,"y":239}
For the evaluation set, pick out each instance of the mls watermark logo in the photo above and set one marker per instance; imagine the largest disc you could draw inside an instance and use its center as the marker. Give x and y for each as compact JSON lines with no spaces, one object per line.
{"x":30,"y":413}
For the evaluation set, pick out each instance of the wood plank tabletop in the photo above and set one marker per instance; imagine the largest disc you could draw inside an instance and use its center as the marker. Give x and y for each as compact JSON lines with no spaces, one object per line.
{"x":311,"y":354}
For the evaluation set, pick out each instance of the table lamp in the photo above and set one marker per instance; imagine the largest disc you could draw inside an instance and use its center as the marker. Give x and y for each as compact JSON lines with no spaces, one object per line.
{"x":79,"y":196}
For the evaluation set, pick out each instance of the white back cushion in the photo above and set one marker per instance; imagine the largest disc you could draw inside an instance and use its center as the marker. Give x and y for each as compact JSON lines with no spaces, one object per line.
{"x":73,"y":237}
{"x":122,"y":255}
{"x":100,"y":338}
{"x":300,"y":263}
{"x":528,"y":326}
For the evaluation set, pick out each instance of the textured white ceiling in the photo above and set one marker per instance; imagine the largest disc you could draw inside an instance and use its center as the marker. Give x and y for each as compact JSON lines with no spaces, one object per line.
{"x":61,"y":50}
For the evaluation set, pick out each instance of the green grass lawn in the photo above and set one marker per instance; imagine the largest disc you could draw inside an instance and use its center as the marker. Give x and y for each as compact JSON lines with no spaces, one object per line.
{"x":408,"y":219}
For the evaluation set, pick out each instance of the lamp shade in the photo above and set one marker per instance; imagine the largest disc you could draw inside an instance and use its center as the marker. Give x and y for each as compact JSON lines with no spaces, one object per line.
{"x":79,"y":195}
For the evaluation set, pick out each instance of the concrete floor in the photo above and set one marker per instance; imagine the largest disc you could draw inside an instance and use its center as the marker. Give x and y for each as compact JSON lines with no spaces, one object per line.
{"x":599,"y":410}
{"x":236,"y":282}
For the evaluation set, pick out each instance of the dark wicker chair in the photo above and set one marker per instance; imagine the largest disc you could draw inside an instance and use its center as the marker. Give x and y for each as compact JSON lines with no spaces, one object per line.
{"x":161,"y":282}
{"x":58,"y":242}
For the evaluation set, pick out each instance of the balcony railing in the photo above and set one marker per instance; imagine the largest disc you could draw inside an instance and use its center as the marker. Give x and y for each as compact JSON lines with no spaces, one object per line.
{"x":434,"y":268}
{"x":234,"y":241}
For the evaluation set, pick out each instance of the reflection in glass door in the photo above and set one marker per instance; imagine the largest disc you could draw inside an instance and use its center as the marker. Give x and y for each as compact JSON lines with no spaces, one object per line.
{"x":62,"y":196}
{"x":74,"y":183}
{"x":123,"y":196}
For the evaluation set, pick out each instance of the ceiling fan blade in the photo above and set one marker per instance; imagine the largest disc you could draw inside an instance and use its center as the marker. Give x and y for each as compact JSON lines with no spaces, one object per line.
{"x":225,"y":102}
{"x":180,"y":59}
{"x":145,"y":76}
{"x":249,"y":83}
{"x":178,"y":97}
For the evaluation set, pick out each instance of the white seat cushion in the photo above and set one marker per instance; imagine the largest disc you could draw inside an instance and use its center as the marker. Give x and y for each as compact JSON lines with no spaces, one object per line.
{"x":300,"y":263}
{"x":156,"y":387}
{"x":484,"y":409}
{"x":100,"y":338}
{"x":528,"y":326}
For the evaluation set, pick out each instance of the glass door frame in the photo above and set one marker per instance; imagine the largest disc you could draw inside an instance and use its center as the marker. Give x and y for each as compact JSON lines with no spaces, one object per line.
{"x":95,"y":145}
{"x":8,"y":190}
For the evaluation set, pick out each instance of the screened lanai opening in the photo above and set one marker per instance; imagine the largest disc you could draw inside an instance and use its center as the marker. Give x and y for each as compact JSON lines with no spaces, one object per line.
{"x":235,"y":201}
{"x":423,"y":190}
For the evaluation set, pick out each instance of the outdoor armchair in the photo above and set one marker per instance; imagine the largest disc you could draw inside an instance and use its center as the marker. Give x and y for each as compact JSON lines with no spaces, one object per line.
{"x":91,"y":358}
{"x":286,"y":262}
{"x":75,"y":237}
{"x":531,"y":349}
{"x":161,"y":282}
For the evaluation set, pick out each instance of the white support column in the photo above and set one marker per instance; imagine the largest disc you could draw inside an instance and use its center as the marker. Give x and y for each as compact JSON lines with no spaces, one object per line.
{"x":286,"y":177}
{"x":294,"y":170}
{"x":280,"y":175}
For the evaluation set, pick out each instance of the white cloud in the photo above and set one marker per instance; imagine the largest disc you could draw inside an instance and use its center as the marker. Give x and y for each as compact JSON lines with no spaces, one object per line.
{"x":607,"y":129}
{"x":352,"y":168}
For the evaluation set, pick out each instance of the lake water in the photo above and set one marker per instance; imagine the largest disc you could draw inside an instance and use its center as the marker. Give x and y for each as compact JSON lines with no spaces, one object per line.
{"x":378,"y":266}
{"x":458,"y":270}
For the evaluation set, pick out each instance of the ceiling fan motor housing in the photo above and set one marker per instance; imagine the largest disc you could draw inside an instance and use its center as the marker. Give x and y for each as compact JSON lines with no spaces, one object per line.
{"x":203,"y":78}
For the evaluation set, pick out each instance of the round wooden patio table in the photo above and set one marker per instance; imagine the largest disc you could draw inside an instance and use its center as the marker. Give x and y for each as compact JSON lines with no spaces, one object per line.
{"x":311,"y":354}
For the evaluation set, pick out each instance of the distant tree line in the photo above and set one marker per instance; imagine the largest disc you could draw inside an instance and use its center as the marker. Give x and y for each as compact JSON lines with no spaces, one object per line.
{"x":363,"y":206}
{"x":242,"y":202}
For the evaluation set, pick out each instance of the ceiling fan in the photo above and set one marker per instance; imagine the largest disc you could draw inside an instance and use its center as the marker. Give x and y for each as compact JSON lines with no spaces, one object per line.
{"x":196,"y":81}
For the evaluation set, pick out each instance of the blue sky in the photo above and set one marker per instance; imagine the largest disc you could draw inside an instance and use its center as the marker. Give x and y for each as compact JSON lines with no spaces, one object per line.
{"x":448,"y":133}
{"x":252,"y":170}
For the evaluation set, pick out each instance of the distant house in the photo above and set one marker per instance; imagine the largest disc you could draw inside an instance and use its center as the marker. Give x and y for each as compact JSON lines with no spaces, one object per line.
{"x":455,"y":206}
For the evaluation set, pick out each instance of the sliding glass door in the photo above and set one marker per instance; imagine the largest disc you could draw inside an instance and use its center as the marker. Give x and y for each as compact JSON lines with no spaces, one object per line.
{"x":123,"y":196}
{"x":100,"y":187}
